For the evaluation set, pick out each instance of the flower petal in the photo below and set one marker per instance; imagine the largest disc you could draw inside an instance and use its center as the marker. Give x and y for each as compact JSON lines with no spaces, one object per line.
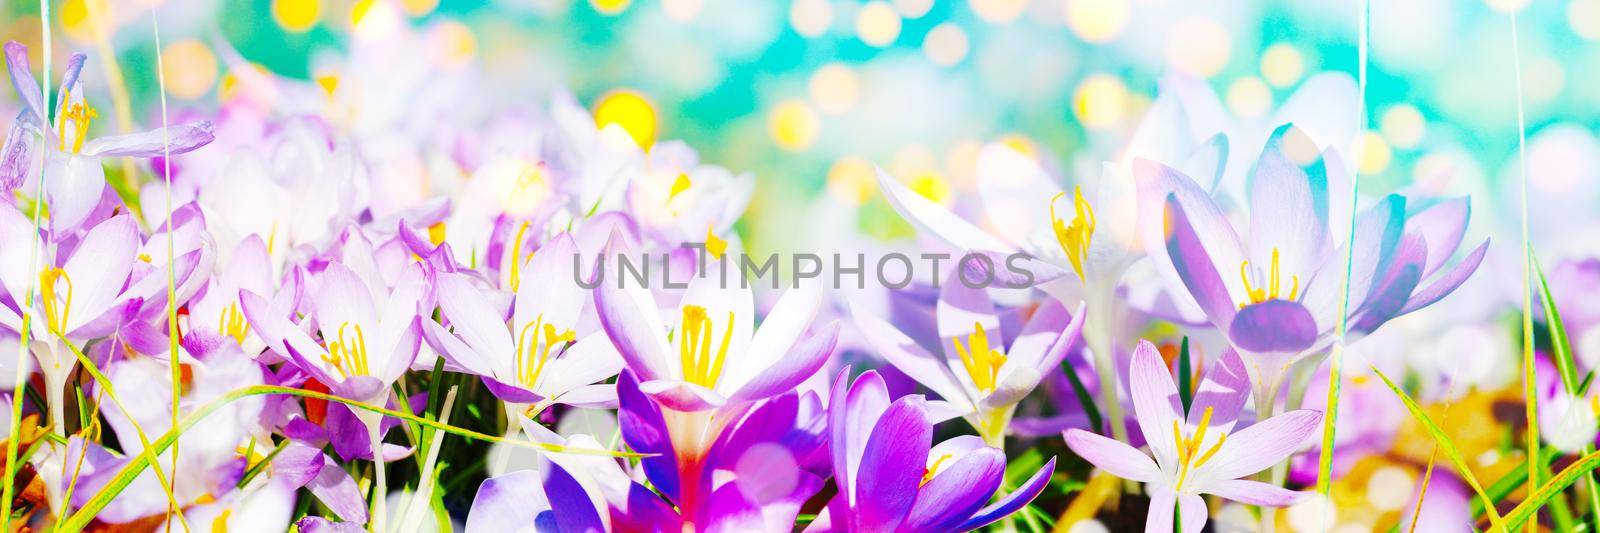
{"x":1155,"y":400}
{"x":958,"y":491}
{"x":853,"y":410}
{"x":936,"y":220}
{"x":74,"y":189}
{"x":573,"y":509}
{"x":549,"y":287}
{"x":1260,"y":446}
{"x":1195,"y":265}
{"x":1447,"y":283}
{"x":160,"y":142}
{"x":774,"y":343}
{"x":99,"y":268}
{"x":1254,"y":493}
{"x":892,"y":465}
{"x":508,"y":502}
{"x":1024,"y":494}
{"x":1113,"y":456}
{"x":797,"y":365}
{"x":1016,"y":193}
{"x":1284,"y":221}
{"x":16,"y":158}
{"x":910,"y":358}
{"x":480,"y":324}
{"x":1273,"y":326}
{"x":1224,"y":390}
{"x":633,"y":322}
{"x":645,"y":430}
{"x":682,"y":395}
{"x":22,"y":78}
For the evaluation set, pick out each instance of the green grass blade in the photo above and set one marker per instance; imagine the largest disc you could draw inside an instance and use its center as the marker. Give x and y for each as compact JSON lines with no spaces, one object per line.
{"x":1561,"y":351}
{"x":1185,"y":375}
{"x":1330,"y":420}
{"x":1446,"y":446}
{"x":1084,"y":398}
{"x":1524,"y":511}
{"x":1513,"y":480}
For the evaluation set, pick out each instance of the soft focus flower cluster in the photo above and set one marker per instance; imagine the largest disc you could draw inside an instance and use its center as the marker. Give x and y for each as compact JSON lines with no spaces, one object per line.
{"x":393,"y":271}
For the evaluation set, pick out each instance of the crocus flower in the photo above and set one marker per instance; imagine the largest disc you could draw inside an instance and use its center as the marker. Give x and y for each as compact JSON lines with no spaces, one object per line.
{"x":539,"y":359}
{"x":367,"y":344}
{"x":722,"y":357}
{"x":76,"y":289}
{"x":773,"y":451}
{"x":348,"y":306}
{"x":1283,"y":304}
{"x":71,"y":159}
{"x":1196,"y":451}
{"x":892,"y":478}
{"x":678,"y":199}
{"x":979,"y":374}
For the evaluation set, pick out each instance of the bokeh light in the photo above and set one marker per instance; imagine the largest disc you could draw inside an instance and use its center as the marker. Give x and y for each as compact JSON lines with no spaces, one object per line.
{"x":610,"y":7}
{"x":810,"y":17}
{"x":190,"y":68}
{"x":998,"y":11}
{"x":296,"y":16}
{"x":631,"y":111}
{"x":1098,"y":21}
{"x":1282,"y":65}
{"x":945,"y":45}
{"x":834,"y":88}
{"x":877,"y":23}
{"x":1100,"y":101}
{"x":1403,"y":126}
{"x":1249,"y":97}
{"x":1199,"y":46}
{"x":794,"y":126}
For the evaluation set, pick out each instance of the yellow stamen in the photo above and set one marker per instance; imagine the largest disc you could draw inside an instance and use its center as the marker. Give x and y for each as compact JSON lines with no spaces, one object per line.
{"x":55,"y":310}
{"x":532,"y":354}
{"x":81,"y":115}
{"x":220,"y":524}
{"x":348,"y":355}
{"x":1074,"y":238}
{"x":515,"y":279}
{"x":715,"y":245}
{"x":982,"y":363}
{"x":233,"y":324}
{"x":436,"y":233}
{"x":694,"y":347}
{"x":272,"y":238}
{"x":1270,"y":292}
{"x":932,"y":470}
{"x":146,"y":258}
{"x":679,"y":186}
{"x":1189,"y":456}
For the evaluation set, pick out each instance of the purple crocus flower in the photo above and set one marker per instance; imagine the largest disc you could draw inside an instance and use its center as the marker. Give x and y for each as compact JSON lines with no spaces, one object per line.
{"x":1283,"y":303}
{"x":80,"y":281}
{"x":537,"y":358}
{"x":757,"y":465}
{"x":891,"y":477}
{"x":1197,"y":452}
{"x":721,"y":358}
{"x":980,"y":374}
{"x":70,"y":157}
{"x":367,"y":342}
